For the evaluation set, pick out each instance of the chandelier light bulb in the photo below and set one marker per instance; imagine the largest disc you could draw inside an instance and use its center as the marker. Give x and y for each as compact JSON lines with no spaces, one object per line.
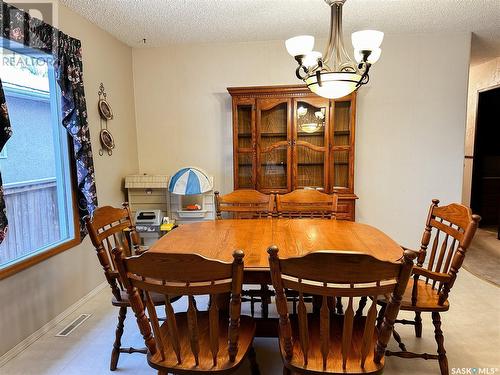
{"x":299,"y":45}
{"x":372,"y":59}
{"x":368,"y":40}
{"x":311,"y":59}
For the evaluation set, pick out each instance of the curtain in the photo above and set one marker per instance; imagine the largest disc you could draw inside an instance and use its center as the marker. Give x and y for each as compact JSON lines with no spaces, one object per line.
{"x":5,"y":133}
{"x":65,"y":53}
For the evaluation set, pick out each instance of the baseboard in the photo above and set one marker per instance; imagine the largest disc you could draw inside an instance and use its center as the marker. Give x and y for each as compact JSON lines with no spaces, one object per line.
{"x":19,"y":348}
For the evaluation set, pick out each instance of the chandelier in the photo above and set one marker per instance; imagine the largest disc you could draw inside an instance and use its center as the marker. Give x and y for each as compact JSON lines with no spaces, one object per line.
{"x":334,"y":74}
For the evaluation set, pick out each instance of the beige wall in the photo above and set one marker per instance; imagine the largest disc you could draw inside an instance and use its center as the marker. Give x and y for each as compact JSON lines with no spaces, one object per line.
{"x":481,"y":77}
{"x":35,"y":296}
{"x":410,"y":130}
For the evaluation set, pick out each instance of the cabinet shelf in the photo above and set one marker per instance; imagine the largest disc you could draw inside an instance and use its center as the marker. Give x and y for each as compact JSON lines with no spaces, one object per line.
{"x":273,"y":134}
{"x":304,"y":134}
{"x":341,"y":163}
{"x":310,"y":164}
{"x":244,"y":135}
{"x":341,"y":132}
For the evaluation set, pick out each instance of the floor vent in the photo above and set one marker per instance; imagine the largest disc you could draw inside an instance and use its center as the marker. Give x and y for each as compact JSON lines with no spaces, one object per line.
{"x":66,"y":331}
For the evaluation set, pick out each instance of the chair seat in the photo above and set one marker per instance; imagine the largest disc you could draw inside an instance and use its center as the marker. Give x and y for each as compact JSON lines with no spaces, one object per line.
{"x":427,"y":298}
{"x":158,"y":299}
{"x":334,"y":360}
{"x":188,"y":366}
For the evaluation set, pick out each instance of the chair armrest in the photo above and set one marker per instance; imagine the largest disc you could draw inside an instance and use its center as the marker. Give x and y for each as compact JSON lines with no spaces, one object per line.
{"x":140,"y":249}
{"x":437,"y":276}
{"x":406,"y":248}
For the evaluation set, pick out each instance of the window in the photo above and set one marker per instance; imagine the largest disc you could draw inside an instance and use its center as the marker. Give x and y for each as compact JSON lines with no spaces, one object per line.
{"x":36,"y":169}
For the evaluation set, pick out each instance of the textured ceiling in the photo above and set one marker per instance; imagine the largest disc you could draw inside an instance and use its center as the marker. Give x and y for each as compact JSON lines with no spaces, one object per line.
{"x":164,"y":22}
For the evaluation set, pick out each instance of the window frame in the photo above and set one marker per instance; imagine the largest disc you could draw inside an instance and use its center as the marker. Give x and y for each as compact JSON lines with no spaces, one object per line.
{"x":70,"y":199}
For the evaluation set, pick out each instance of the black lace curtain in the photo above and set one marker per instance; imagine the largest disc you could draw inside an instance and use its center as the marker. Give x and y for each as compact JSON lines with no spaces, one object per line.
{"x":65,"y":54}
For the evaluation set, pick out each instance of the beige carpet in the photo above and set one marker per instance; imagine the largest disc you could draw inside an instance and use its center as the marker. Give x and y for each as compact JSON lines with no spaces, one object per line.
{"x":483,"y":256}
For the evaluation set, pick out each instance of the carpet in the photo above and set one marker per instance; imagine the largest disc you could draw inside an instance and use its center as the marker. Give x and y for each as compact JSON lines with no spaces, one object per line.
{"x":483,"y":256}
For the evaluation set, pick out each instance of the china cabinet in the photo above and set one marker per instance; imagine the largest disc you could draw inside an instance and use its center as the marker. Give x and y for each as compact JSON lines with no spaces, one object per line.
{"x":287,"y":138}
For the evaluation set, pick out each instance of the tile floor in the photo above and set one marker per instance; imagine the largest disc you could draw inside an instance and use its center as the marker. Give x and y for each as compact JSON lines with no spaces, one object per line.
{"x":471,"y":327}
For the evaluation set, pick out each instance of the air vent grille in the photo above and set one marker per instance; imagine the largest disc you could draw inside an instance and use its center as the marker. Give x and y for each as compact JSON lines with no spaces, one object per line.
{"x":66,"y":331}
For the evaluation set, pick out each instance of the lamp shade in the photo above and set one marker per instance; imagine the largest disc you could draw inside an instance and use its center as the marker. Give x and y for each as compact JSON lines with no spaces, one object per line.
{"x":189,"y":181}
{"x":299,"y":45}
{"x":334,"y":84}
{"x":367,"y":40}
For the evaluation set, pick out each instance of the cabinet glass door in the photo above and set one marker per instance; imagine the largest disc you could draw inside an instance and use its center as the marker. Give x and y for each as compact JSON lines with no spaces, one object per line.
{"x":310,"y":147}
{"x":244,"y":113}
{"x":244,"y":169}
{"x":273,"y":151}
{"x":341,"y":169}
{"x":342,"y":124}
{"x":244,"y":144}
{"x":342,"y":147}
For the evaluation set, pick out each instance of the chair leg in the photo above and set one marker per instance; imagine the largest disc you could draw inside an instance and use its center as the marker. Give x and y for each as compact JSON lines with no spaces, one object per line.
{"x":254,"y":366}
{"x":361,"y":307}
{"x":443,"y":361}
{"x":380,"y":316}
{"x":418,"y":324}
{"x":397,"y":337}
{"x":264,"y":300}
{"x":162,"y":372}
{"x":339,"y":307}
{"x":115,"y":354}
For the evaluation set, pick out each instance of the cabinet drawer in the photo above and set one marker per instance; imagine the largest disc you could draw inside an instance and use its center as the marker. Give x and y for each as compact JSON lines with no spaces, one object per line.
{"x":345,"y":210}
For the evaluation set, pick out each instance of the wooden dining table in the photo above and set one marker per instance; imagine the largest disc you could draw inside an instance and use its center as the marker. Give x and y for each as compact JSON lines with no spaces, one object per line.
{"x":294,"y":237}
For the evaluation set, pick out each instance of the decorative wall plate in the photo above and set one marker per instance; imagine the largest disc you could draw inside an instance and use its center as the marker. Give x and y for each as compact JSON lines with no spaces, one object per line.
{"x":107,"y":141}
{"x":106,"y":113}
{"x":105,"y":109}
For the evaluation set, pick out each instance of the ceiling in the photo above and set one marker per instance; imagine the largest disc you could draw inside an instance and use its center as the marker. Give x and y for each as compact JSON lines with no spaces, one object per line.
{"x":163,"y":22}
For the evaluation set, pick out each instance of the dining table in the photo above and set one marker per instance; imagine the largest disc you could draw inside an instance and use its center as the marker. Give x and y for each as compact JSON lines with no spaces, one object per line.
{"x":218,"y":240}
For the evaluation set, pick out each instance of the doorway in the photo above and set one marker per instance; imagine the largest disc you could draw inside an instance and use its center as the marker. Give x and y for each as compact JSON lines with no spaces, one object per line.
{"x":485,"y":192}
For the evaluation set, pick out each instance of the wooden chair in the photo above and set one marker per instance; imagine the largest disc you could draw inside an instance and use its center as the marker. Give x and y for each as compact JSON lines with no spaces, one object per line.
{"x":107,"y":229}
{"x":245,"y":204}
{"x":451,"y":229}
{"x":249,"y":204}
{"x":192,"y":342}
{"x":327,"y":342}
{"x":304,"y":203}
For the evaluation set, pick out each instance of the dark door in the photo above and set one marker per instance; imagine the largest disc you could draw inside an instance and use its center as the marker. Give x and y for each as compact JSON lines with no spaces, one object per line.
{"x":485,"y":198}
